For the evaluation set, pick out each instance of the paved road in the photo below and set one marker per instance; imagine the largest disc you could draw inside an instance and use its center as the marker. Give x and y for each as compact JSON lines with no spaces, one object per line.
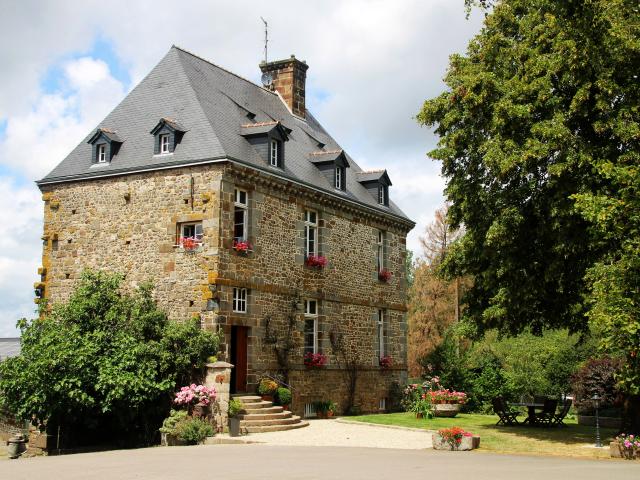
{"x":327,"y":463}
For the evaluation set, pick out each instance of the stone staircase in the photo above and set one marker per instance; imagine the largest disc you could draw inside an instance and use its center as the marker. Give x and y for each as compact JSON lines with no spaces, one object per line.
{"x":260,"y":416}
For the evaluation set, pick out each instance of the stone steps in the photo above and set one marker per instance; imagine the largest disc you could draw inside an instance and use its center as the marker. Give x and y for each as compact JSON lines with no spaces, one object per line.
{"x":260,"y":416}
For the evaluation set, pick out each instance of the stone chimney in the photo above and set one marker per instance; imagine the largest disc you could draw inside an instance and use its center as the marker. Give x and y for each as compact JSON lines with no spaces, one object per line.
{"x":289,"y":77}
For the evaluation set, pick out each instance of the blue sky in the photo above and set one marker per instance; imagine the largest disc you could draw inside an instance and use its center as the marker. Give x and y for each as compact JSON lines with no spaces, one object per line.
{"x":66,"y":68}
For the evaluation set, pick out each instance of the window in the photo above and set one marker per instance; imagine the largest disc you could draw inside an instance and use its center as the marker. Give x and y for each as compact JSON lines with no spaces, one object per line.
{"x":240,"y":300}
{"x":382,"y":194}
{"x":273,"y":153}
{"x":102,"y":153}
{"x":381,"y":342}
{"x":310,"y":233}
{"x":164,"y":143}
{"x":340,"y":178}
{"x":240,"y":216}
{"x":310,"y":326}
{"x":191,"y":230}
{"x":380,"y":251}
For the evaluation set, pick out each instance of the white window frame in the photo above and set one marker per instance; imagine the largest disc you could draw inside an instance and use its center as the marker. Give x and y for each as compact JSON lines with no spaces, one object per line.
{"x":311,"y":315}
{"x":197,"y":228}
{"x":339,"y":178}
{"x":382,"y":195}
{"x":310,"y":229}
{"x":102,"y":153}
{"x":164,"y":144}
{"x":273,"y":153}
{"x":380,"y":328}
{"x":240,"y":300}
{"x":380,"y":250}
{"x":238,"y":206}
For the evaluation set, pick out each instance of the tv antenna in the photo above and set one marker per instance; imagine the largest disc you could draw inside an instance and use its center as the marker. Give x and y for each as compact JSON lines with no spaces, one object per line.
{"x":267,"y":79}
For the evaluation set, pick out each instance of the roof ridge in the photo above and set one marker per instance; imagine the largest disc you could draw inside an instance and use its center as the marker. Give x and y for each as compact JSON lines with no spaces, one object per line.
{"x":221,"y":68}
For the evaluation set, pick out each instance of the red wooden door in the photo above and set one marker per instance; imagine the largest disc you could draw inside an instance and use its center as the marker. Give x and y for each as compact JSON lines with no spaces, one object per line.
{"x":239,"y":358}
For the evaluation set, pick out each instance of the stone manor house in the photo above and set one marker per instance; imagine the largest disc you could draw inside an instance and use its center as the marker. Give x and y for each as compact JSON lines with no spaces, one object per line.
{"x":245,"y":212}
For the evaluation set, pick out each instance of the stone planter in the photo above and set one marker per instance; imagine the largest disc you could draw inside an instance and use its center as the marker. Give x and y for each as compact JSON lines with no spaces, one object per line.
{"x":467,"y":443}
{"x":168,"y":440}
{"x":234,"y":427}
{"x":446,"y":409}
{"x":606,"y":422}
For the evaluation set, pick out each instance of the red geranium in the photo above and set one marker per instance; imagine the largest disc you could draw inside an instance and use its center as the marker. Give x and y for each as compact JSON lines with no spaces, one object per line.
{"x":384,"y":275}
{"x":317,"y":261}
{"x":314,"y":360}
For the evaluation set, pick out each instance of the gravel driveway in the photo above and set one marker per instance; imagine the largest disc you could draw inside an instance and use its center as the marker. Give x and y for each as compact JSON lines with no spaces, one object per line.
{"x":335,"y":433}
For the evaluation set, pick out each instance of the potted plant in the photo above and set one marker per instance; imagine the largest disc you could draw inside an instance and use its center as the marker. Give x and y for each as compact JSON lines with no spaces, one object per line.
{"x":324,"y":408}
{"x":196,"y":398}
{"x":168,"y":431}
{"x":283,"y":395}
{"x":267,"y":388}
{"x":422,"y":407}
{"x":384,"y":275}
{"x":314,"y":360}
{"x":194,"y":430}
{"x":316,"y":261}
{"x":235,"y":407}
{"x":447,"y":403}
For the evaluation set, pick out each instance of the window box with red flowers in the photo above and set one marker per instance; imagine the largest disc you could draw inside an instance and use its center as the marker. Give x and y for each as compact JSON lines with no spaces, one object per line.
{"x":316,"y":261}
{"x":190,"y":244}
{"x":385,"y":362}
{"x":314,"y":360}
{"x":242,"y":248}
{"x":384,"y":275}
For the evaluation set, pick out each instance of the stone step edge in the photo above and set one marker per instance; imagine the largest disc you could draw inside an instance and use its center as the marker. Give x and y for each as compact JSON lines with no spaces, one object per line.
{"x":275,"y":428}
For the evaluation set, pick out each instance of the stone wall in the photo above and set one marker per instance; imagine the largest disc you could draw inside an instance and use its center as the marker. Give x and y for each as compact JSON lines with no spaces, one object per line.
{"x":129,"y":224}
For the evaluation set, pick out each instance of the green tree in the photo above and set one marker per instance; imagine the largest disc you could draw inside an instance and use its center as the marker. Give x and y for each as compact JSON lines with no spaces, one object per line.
{"x":105,"y":360}
{"x":539,"y":130}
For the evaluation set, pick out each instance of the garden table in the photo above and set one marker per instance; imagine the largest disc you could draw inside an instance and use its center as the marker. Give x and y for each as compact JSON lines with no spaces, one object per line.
{"x":531,"y":408}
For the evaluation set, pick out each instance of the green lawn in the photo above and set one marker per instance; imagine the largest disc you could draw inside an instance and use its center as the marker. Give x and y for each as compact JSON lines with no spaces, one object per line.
{"x":574,"y":440}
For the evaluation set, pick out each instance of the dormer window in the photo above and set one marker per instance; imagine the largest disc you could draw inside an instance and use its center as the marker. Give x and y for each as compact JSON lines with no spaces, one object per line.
{"x":102,"y":153}
{"x":268,"y":139}
{"x":105,"y":144}
{"x":167,"y":135}
{"x":333,"y":165}
{"x":164,"y":144}
{"x":274,"y":153}
{"x":377,"y":183}
{"x":340,"y":178}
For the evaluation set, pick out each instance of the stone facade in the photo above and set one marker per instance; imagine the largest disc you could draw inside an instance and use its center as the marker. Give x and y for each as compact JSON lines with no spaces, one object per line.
{"x":130,"y":224}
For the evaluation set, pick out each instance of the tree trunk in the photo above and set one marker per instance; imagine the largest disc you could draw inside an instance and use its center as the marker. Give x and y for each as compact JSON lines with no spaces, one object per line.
{"x":631,"y":415}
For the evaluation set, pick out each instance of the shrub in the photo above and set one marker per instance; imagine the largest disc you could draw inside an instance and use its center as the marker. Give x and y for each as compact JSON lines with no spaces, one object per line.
{"x":235,"y":407}
{"x":284,"y":396}
{"x":267,"y":387}
{"x":596,"y":376}
{"x":193,"y":430}
{"x":105,"y":361}
{"x":324,"y":406}
{"x":171,"y":422}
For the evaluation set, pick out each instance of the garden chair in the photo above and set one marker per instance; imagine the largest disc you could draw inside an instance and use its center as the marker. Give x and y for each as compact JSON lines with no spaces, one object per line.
{"x":558,"y":418}
{"x":505,"y":414}
{"x":548,"y":414}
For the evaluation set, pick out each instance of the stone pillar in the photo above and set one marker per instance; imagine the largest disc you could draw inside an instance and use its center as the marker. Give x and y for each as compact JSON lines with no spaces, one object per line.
{"x":219,"y":376}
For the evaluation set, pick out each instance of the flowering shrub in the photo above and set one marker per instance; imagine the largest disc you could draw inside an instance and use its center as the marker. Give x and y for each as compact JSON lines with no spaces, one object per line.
{"x":448,"y":396}
{"x":315,"y":360}
{"x":195,"y":394}
{"x":629,"y":445}
{"x":189,"y":243}
{"x":384,"y":275}
{"x":241,"y":247}
{"x":267,"y":387}
{"x":453,"y":436}
{"x":317,"y":261}
{"x":386,"y":362}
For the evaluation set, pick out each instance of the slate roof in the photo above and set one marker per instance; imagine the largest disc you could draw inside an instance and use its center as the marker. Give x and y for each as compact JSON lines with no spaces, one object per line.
{"x":373,"y":176}
{"x":212,"y":105}
{"x":9,"y":347}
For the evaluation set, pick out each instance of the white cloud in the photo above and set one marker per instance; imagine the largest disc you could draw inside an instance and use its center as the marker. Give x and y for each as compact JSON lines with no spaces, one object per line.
{"x":372,"y":64}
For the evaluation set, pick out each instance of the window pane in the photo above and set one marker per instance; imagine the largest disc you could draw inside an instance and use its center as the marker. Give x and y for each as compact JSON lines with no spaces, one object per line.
{"x":239,"y":224}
